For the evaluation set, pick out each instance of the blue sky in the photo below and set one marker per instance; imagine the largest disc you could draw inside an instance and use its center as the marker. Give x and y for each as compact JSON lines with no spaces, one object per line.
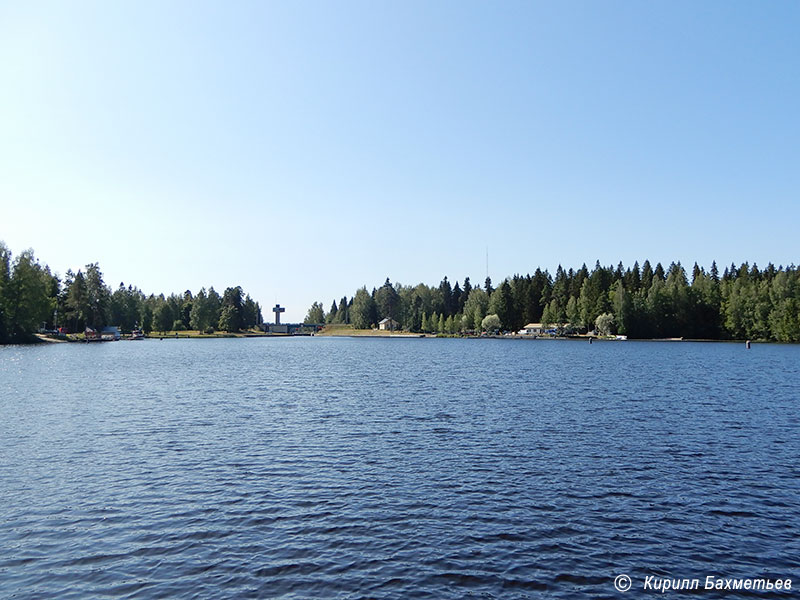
{"x":303,"y":149}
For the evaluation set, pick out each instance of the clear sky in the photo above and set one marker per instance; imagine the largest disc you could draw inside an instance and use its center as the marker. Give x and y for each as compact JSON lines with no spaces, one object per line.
{"x":303,"y":149}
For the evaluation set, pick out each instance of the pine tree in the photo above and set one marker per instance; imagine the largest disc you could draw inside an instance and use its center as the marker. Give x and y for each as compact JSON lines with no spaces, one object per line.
{"x":163,"y":318}
{"x":228,"y":319}
{"x":331,"y":316}
{"x":458,"y":302}
{"x":77,"y":303}
{"x":547,"y":316}
{"x":573,"y":314}
{"x":623,"y":307}
{"x":647,"y":277}
{"x":315,"y":315}
{"x":363,"y":309}
{"x":500,"y":304}
{"x":387,"y":301}
{"x":467,"y":288}
{"x":199,"y":317}
{"x":342,"y":315}
{"x":447,"y":296}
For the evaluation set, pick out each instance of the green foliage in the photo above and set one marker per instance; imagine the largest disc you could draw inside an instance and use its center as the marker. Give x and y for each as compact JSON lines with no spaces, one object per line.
{"x":229,"y":319}
{"x":316,"y":314}
{"x":125,"y":307}
{"x":559,"y":314}
{"x":163,"y":317}
{"x":491,"y":323}
{"x":645,"y":302}
{"x":500,"y":304}
{"x":604,"y":324}
{"x":5,"y":280}
{"x":475,"y":308}
{"x":587,"y":303}
{"x":572,"y":313}
{"x":387,"y":302}
{"x":25,"y":303}
{"x":745,"y":302}
{"x":200,"y":316}
{"x":553,"y":314}
{"x":547,"y":315}
{"x":363,"y":310}
{"x":77,"y":301}
{"x":433,"y":324}
{"x":623,"y":307}
{"x":251,"y":313}
{"x":414,"y":304}
{"x":147,"y":318}
{"x":98,"y":298}
{"x":214,"y":307}
{"x":330,"y":318}
{"x":234,"y":317}
{"x":658,"y":308}
{"x":344,"y":314}
{"x":452,"y":324}
{"x":186,"y":308}
{"x":784,"y":320}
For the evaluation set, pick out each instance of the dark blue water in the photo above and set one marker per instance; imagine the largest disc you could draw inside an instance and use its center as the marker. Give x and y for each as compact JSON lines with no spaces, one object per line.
{"x":394,"y":468}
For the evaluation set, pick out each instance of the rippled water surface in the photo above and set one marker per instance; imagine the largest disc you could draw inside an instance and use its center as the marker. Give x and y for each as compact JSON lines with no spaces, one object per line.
{"x":394,"y":468}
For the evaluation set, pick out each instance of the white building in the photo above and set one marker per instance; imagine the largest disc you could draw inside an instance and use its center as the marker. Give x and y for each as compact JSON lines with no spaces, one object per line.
{"x":532,"y":329}
{"x":388,"y":324}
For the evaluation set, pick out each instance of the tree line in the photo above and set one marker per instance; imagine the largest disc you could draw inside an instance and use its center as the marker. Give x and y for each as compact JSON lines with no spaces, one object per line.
{"x":743,"y":302}
{"x":32,"y":298}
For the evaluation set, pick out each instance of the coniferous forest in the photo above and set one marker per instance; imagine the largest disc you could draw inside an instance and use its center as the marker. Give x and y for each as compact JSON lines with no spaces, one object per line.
{"x":33,"y":298}
{"x":641,"y":301}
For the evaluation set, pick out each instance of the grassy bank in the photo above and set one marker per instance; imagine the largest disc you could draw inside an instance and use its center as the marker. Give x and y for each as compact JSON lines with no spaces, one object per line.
{"x":80,"y":337}
{"x":349,"y":330}
{"x":203,"y":335}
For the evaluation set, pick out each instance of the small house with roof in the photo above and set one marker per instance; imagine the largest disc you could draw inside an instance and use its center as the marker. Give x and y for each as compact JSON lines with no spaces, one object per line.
{"x":532,"y":329}
{"x":388,"y":324}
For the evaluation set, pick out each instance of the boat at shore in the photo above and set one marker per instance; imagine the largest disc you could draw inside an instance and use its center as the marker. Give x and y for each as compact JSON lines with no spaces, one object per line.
{"x":108,"y":334}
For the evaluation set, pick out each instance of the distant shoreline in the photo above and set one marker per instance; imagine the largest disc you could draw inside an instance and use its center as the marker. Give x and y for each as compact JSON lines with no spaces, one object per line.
{"x":346,"y":332}
{"x":342,"y":331}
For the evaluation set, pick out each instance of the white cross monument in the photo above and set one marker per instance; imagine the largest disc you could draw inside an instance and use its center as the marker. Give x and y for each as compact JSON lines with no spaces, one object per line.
{"x":278,"y":310}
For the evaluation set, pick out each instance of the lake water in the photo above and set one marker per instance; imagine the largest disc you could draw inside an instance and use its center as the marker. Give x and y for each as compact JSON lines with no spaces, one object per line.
{"x":394,"y":468}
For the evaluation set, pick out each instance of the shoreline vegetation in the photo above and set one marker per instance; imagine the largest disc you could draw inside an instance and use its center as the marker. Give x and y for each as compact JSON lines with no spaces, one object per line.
{"x":742,"y":303}
{"x":350,"y":332}
{"x":153,"y":335}
{"x":34,"y":300}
